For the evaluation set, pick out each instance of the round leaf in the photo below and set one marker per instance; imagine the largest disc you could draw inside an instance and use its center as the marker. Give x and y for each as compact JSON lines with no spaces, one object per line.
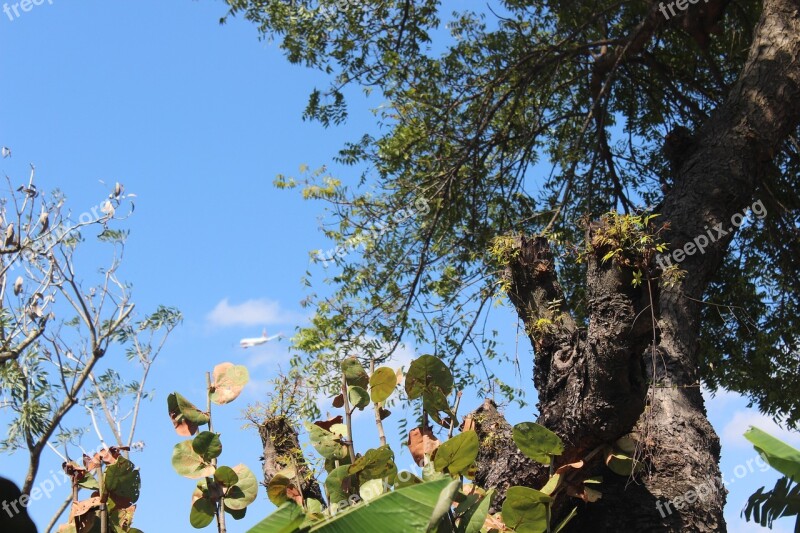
{"x":354,"y":373}
{"x":382,"y":384}
{"x":226,"y":476}
{"x":525,"y":510}
{"x":427,"y":372}
{"x":371,"y":489}
{"x":187,"y":463}
{"x":207,"y":445}
{"x":358,"y":397}
{"x":202,"y":513}
{"x":244,"y":492}
{"x":276,"y":490}
{"x":123,"y":481}
{"x":337,"y":484}
{"x":375,"y":464}
{"x":325,"y":442}
{"x":229,"y":381}
{"x":456,"y":455}
{"x":537,"y":442}
{"x":203,"y":506}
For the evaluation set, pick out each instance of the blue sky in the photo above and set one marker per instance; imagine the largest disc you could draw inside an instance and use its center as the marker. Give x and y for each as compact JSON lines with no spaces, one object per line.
{"x":196,"y":119}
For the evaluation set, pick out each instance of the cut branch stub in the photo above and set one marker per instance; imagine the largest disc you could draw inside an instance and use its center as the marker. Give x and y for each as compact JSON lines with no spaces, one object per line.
{"x":282,"y":450}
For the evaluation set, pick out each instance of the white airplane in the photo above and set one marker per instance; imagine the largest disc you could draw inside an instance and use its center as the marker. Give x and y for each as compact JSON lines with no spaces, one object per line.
{"x":256,"y":341}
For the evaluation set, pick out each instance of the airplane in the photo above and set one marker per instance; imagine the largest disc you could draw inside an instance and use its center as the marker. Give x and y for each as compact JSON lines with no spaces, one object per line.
{"x":256,"y":341}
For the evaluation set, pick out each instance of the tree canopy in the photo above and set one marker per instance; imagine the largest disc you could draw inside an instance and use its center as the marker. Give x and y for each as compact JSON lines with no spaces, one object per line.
{"x":525,"y":118}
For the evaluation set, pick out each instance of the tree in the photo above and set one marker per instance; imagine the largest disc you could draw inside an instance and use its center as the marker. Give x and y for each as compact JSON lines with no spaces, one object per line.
{"x":58,"y":322}
{"x":540,"y":137}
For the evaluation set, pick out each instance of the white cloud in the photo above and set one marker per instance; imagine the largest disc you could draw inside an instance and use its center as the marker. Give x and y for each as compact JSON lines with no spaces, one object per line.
{"x":732,"y":433}
{"x":260,"y":312}
{"x":721,"y":398}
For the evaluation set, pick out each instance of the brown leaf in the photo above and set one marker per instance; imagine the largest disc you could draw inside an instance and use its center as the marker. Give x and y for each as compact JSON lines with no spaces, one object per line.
{"x":293,"y":494}
{"x":125,"y":516}
{"x":82,"y":507}
{"x":421,"y":443}
{"x":338,"y":401}
{"x":584,"y":493}
{"x":74,"y":471}
{"x":569,"y":466}
{"x":384,"y":413}
{"x":110,"y":455}
{"x":326,"y":424}
{"x":183,"y":427}
{"x":92,"y":463}
{"x":494,"y":521}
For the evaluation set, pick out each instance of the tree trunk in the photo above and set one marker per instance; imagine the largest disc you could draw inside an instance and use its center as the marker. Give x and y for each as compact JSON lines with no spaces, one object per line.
{"x":630,"y":371}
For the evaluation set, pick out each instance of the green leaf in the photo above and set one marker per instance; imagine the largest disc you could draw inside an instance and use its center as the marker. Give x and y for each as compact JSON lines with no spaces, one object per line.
{"x":88,"y":481}
{"x":382,"y":384}
{"x":325,"y":442}
{"x":525,"y":510}
{"x":401,"y":511}
{"x":434,"y":401}
{"x":334,"y":484}
{"x":225,"y":475}
{"x":371,"y":489}
{"x":244,"y":492}
{"x":426,"y":372}
{"x":473,"y":519}
{"x":537,"y":442}
{"x":229,"y":381}
{"x":123,"y":480}
{"x":237,"y":514}
{"x":444,"y":503}
{"x":780,"y":456}
{"x":207,"y":445}
{"x":456,"y":455}
{"x":276,"y":490}
{"x":354,"y":373}
{"x":376,"y":463}
{"x":358,"y":397}
{"x":202,"y":513}
{"x":183,"y":407}
{"x":188,"y":463}
{"x":623,"y":465}
{"x":286,"y":519}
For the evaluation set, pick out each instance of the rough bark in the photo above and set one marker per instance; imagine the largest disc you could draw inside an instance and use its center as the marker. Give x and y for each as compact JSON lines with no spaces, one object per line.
{"x":282,"y":450}
{"x":594,"y":383}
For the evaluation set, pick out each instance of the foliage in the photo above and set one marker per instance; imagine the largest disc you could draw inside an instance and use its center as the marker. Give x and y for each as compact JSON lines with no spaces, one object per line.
{"x":220,"y":489}
{"x":115,"y":484}
{"x":784,"y":499}
{"x":495,"y":118}
{"x":632,"y":241}
{"x":63,"y":327}
{"x":365,"y":491}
